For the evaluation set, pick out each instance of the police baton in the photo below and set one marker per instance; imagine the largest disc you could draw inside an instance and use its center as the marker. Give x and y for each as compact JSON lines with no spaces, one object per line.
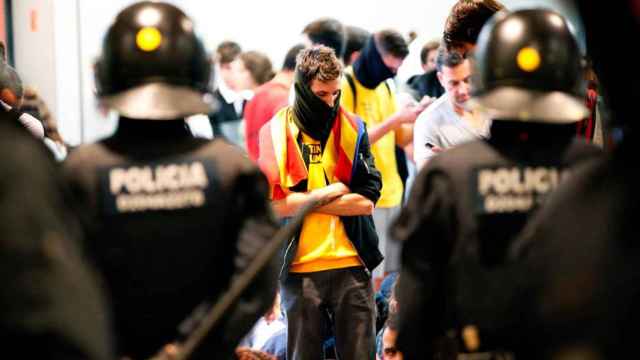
{"x":210,"y":320}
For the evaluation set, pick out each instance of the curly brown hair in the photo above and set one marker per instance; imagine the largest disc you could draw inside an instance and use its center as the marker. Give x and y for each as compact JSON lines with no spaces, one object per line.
{"x":466,"y":20}
{"x":318,"y":62}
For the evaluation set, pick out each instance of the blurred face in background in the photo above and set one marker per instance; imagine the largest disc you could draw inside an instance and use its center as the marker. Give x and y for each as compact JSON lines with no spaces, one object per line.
{"x":389,"y":350}
{"x":430,"y":65}
{"x":241,"y":76}
{"x":392,"y":62}
{"x":226,"y":74}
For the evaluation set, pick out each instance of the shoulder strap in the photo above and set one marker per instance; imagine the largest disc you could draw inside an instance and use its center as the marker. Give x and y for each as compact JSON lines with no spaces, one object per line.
{"x":352,"y":85}
{"x":386,"y":84}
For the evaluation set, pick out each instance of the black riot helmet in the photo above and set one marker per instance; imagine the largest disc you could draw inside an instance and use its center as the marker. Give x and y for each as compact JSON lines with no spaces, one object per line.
{"x":153,"y":66}
{"x":528,"y":67}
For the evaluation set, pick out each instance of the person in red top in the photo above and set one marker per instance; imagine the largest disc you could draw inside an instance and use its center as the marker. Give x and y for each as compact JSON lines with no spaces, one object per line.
{"x":587,"y":127}
{"x":268,"y":99}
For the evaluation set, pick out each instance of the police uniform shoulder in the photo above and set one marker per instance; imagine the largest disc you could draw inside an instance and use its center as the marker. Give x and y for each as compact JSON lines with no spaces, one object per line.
{"x":12,"y":133}
{"x":590,"y":167}
{"x":230,"y":160}
{"x":81,"y":163}
{"x":20,"y":148}
{"x":580,"y":150}
{"x":85,"y":154}
{"x":464,"y":155}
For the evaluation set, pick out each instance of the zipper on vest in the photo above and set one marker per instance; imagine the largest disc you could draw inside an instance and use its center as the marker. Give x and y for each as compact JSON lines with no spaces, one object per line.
{"x":364,"y":163}
{"x":286,"y":252}
{"x":364,"y":265}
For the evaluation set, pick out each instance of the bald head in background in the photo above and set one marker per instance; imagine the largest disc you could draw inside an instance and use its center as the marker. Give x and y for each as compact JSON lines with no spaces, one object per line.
{"x":11,"y":88}
{"x":11,"y":97}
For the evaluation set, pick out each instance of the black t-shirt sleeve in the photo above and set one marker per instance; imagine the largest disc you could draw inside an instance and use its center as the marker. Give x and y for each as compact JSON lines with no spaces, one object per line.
{"x":367,"y":180}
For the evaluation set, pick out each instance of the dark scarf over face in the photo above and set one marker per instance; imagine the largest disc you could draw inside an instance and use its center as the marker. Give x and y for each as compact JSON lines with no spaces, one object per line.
{"x":369,"y":69}
{"x":312,"y":115}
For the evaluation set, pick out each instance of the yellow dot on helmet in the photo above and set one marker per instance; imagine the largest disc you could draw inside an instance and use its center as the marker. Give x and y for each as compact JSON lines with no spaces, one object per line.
{"x":148,"y":39}
{"x":528,"y":59}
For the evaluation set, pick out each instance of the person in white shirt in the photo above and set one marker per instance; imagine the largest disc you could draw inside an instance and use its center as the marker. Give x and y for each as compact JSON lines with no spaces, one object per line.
{"x":448,"y":122}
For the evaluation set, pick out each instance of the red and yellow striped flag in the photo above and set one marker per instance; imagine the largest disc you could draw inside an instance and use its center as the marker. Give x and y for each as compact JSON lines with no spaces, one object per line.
{"x":281,"y":159}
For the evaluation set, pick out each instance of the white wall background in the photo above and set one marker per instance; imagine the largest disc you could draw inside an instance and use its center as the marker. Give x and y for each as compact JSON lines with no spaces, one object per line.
{"x":268,"y":26}
{"x":58,"y":58}
{"x":34,"y":47}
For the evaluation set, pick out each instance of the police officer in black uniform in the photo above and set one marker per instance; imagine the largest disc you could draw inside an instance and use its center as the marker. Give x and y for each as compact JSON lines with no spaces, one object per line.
{"x":170,"y":219}
{"x":583,"y":245}
{"x":469,"y":203}
{"x":51,"y":306}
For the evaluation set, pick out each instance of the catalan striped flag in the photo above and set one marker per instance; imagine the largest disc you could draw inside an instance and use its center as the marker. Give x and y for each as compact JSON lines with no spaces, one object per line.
{"x":281,"y":159}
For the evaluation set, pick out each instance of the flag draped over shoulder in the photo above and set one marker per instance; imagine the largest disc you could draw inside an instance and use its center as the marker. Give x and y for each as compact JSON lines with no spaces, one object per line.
{"x":281,"y":159}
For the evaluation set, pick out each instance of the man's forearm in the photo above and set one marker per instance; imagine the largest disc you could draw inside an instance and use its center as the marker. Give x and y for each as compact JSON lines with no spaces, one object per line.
{"x":381,"y":130}
{"x":348,"y":205}
{"x":404,"y":134}
{"x":290,"y":205}
{"x":294,"y":201}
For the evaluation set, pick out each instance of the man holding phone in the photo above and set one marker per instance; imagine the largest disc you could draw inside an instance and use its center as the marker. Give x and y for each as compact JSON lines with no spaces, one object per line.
{"x":448,"y":121}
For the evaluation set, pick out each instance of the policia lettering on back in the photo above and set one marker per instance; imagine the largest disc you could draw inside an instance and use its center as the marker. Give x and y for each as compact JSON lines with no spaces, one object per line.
{"x":514,"y":188}
{"x":156,"y":187}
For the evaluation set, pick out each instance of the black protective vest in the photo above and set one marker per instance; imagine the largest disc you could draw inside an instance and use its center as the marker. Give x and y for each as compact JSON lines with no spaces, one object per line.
{"x":492,"y":188}
{"x":169,"y":220}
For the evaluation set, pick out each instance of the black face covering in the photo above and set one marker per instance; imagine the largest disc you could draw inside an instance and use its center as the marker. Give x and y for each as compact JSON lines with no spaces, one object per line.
{"x":312,"y":115}
{"x":369,"y":69}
